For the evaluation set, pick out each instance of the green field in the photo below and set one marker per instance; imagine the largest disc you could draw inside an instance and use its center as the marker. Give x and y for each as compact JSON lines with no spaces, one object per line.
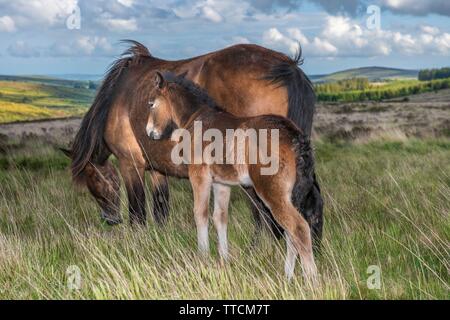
{"x":37,"y":100}
{"x":351,"y":90}
{"x":32,"y":98}
{"x":387,"y":204}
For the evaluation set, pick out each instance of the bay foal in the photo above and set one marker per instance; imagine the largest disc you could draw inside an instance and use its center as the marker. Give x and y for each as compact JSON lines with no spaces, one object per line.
{"x":179,"y":101}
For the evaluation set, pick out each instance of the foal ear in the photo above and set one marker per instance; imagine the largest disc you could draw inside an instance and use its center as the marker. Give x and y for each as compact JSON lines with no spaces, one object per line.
{"x":159,"y":80}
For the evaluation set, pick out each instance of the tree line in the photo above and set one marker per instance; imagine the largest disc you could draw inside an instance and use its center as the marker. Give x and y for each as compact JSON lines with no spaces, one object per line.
{"x":380,"y":92}
{"x":433,"y":74}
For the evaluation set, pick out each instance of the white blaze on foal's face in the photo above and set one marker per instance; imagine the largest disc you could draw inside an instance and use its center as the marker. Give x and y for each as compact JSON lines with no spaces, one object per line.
{"x":154,"y":128}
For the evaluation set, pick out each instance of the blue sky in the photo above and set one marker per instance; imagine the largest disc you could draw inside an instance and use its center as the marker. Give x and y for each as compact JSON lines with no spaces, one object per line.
{"x":35,"y":39}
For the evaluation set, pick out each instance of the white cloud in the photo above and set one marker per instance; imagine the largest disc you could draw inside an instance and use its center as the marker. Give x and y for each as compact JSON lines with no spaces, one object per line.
{"x":22,"y":50}
{"x":323,"y":47}
{"x":296,"y":34}
{"x":213,"y":10}
{"x":274,"y":37}
{"x":239,"y":40}
{"x":82,"y":46}
{"x":120,"y":24}
{"x":430,"y":30}
{"x":126,"y":3}
{"x":7,"y":24}
{"x":341,"y":36}
{"x":211,"y":14}
{"x":421,"y":8}
{"x":38,"y":12}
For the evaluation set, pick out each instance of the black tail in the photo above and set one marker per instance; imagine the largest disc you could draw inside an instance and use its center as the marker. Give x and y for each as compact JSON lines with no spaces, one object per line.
{"x":306,"y":195}
{"x":300,"y":91}
{"x":301,"y":111}
{"x":89,"y":144}
{"x":305,"y":172}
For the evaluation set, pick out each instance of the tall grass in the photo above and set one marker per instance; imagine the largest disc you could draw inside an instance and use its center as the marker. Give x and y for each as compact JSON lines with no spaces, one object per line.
{"x":387,"y":204}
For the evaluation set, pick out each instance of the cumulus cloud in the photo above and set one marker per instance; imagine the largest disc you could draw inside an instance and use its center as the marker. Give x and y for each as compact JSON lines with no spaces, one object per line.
{"x":126,"y":3}
{"x":354,"y":7}
{"x":342,"y":37}
{"x":27,"y":13}
{"x":239,"y":40}
{"x":22,"y":50}
{"x":351,"y":7}
{"x":120,"y":24}
{"x":420,"y":8}
{"x":281,"y":23}
{"x":211,"y":14}
{"x":270,"y":5}
{"x":82,"y":46}
{"x":7,"y":24}
{"x":213,"y":10}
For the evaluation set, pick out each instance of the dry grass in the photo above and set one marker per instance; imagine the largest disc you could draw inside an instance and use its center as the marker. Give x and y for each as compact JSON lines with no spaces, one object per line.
{"x":387,"y":204}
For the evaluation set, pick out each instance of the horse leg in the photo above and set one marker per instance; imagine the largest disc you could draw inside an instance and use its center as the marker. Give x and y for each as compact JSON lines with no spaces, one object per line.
{"x":133,"y":176}
{"x":160,"y":190}
{"x":298,"y":237}
{"x":262,"y":216}
{"x":220,"y":217}
{"x":201,"y":187}
{"x":295,"y":225}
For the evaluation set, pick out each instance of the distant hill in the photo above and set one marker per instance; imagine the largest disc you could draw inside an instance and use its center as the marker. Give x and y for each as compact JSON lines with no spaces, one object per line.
{"x":79,"y":77}
{"x":372,"y":73}
{"x":48,"y":80}
{"x":29,"y":98}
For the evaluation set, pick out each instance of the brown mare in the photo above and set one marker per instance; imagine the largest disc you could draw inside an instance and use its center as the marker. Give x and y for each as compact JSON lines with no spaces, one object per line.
{"x":179,"y":101}
{"x":249,"y":80}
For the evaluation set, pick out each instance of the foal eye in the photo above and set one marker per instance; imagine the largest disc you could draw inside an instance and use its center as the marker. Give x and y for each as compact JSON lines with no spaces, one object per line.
{"x":151,"y":104}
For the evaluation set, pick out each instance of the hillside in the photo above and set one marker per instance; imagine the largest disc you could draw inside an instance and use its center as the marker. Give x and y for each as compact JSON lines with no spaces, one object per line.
{"x":372,"y":73}
{"x":28,"y":98}
{"x":48,"y":80}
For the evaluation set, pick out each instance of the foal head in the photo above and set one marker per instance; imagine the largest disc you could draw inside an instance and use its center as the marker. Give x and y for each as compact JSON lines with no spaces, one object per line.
{"x":174,"y":100}
{"x":160,"y":104}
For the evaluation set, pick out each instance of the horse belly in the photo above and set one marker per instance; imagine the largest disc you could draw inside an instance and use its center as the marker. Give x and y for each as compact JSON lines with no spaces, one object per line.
{"x":231,"y":174}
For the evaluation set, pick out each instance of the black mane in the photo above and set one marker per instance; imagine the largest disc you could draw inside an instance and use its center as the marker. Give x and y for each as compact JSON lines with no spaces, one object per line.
{"x":88,"y":145}
{"x":200,"y":94}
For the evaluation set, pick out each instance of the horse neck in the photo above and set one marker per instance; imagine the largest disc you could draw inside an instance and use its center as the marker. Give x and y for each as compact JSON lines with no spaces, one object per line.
{"x":186,"y":110}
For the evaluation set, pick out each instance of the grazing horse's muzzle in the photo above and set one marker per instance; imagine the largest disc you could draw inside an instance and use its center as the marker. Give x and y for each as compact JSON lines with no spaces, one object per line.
{"x":110,"y":219}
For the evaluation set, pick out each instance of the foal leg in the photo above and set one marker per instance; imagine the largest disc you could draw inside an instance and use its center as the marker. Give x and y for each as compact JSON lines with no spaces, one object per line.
{"x":291,"y":256}
{"x":160,"y":190}
{"x":220,"y":217}
{"x":299,"y":237}
{"x":262,"y":216}
{"x":201,"y":187}
{"x":296,"y":227}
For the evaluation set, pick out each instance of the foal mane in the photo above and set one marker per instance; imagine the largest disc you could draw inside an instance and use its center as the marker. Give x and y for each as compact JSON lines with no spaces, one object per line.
{"x":200,"y":94}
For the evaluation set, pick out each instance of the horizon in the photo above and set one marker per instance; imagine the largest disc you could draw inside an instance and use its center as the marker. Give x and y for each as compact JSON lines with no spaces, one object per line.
{"x":103,"y":74}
